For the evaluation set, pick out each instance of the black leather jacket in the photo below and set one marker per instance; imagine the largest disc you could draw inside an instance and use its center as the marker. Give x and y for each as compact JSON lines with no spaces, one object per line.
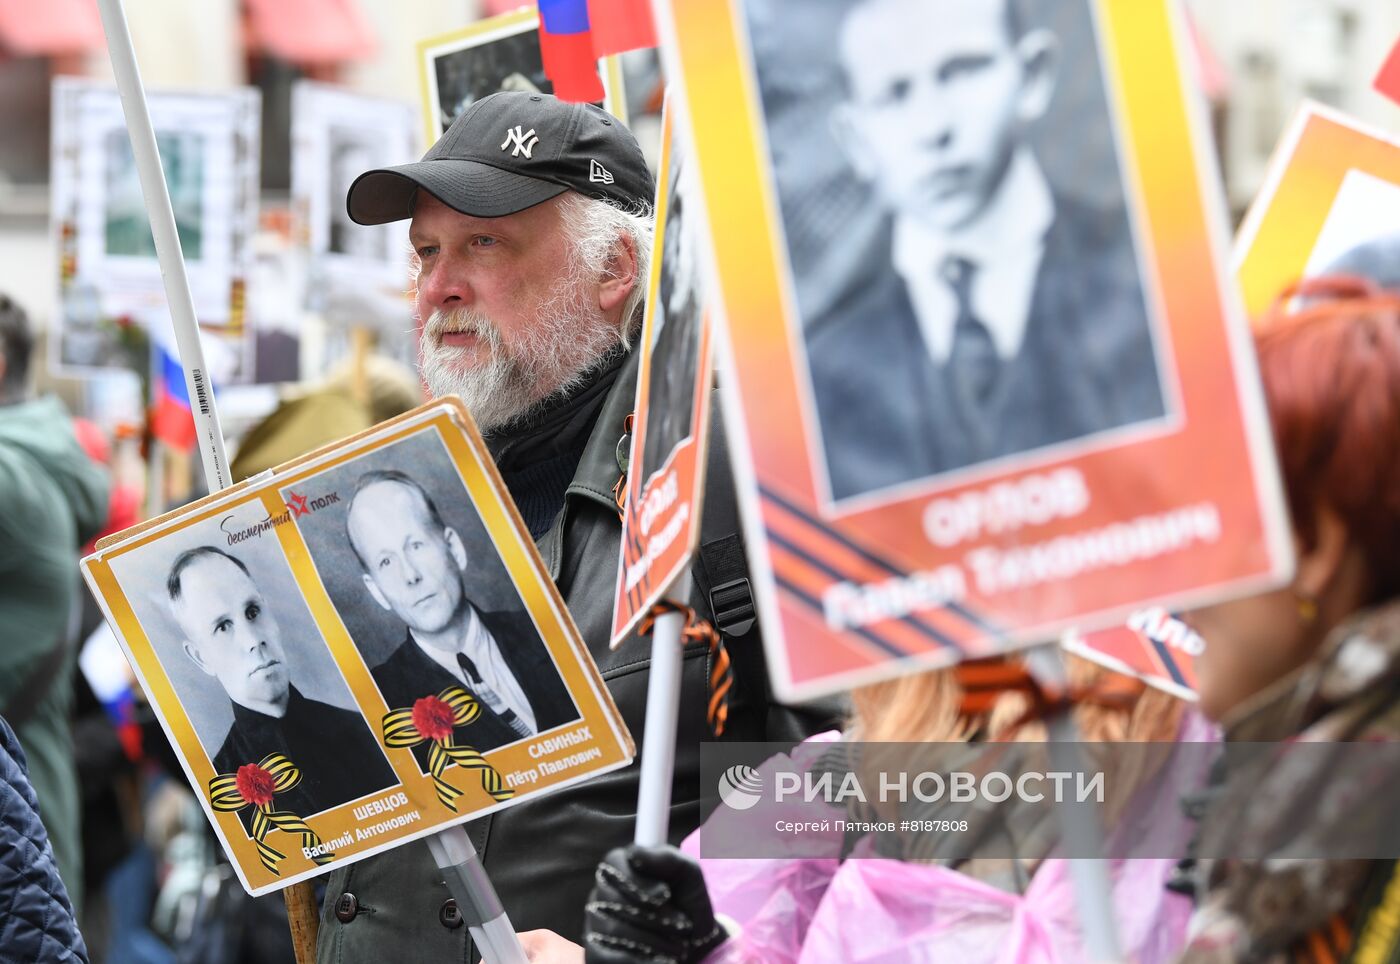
{"x":541,"y":856}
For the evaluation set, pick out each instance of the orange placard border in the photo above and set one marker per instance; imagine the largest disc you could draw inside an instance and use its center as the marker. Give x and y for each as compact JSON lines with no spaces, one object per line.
{"x":706,"y":55}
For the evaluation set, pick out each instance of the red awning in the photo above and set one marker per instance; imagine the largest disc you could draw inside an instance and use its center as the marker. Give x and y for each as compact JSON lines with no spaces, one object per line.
{"x":49,"y":27}
{"x":309,"y":31}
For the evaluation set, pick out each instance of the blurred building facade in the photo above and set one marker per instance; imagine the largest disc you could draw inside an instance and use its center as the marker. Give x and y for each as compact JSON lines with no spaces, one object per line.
{"x":209,"y":45}
{"x":1276,"y":53}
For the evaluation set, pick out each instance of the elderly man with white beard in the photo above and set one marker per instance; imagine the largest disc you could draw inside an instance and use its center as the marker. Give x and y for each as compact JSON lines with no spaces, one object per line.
{"x":532,"y":223}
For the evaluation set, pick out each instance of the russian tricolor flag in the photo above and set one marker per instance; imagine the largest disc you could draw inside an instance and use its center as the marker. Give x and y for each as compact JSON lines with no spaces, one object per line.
{"x":575,"y":33}
{"x":172,"y":422}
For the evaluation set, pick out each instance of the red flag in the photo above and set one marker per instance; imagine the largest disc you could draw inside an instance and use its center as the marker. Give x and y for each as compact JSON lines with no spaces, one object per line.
{"x":1388,"y":80}
{"x":570,"y":64}
{"x":620,"y":25}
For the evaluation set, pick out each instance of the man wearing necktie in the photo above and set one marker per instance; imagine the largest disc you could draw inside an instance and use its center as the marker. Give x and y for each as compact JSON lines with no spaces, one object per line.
{"x":1009,"y":317}
{"x":415,"y":566}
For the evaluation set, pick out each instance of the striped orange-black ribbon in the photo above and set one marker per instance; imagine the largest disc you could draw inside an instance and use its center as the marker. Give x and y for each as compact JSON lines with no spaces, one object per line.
{"x":225,"y":797}
{"x":983,"y":682}
{"x":401,"y":731}
{"x":619,"y":491}
{"x":699,"y":631}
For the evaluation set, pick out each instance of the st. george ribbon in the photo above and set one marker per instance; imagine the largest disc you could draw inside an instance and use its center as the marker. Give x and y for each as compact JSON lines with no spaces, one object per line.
{"x":452,"y":850}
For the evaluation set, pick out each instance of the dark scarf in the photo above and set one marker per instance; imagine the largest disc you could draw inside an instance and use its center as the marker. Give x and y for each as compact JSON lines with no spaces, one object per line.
{"x":1309,"y":802}
{"x":538,"y":454}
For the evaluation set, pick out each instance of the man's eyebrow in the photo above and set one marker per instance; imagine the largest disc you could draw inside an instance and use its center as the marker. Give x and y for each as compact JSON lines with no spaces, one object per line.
{"x":217,"y":618}
{"x":965,"y":58}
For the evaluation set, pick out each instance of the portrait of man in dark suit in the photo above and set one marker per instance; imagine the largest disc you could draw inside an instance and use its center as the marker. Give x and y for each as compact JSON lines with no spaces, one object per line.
{"x":416,"y":566}
{"x":231,"y":634}
{"x":1006,"y":315}
{"x":675,"y":333}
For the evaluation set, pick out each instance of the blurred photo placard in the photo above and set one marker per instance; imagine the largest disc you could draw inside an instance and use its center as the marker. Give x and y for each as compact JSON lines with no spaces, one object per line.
{"x":109,"y":282}
{"x":1153,"y":646}
{"x":357,"y":649}
{"x":661,"y":511}
{"x":969,"y":266}
{"x":494,"y":54}
{"x":356,"y":274}
{"x":1330,"y":205}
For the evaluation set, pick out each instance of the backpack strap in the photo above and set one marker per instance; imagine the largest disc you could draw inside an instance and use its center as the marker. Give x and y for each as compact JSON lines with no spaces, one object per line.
{"x":721,"y":571}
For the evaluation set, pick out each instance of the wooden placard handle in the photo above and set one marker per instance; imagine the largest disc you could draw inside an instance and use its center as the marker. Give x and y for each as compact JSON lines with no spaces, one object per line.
{"x":304,"y":918}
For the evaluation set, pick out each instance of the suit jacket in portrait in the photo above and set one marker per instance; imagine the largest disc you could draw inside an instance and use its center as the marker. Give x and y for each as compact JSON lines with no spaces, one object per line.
{"x":338,"y":757}
{"x":888,"y":412}
{"x":408,"y":674}
{"x":671,"y":392}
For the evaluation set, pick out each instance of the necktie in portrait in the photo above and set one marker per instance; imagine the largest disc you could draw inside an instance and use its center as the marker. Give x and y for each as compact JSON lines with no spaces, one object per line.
{"x":973,"y":361}
{"x":491,"y":697}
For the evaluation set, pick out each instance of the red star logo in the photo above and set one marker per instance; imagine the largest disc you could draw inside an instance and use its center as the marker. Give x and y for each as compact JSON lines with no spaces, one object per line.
{"x":298,"y":505}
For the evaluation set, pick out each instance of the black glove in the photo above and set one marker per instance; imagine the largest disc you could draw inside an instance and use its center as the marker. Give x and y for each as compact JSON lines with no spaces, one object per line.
{"x":649,"y":904}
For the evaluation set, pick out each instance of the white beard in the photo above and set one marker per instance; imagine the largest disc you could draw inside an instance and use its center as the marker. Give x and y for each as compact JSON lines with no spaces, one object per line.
{"x":569,"y":336}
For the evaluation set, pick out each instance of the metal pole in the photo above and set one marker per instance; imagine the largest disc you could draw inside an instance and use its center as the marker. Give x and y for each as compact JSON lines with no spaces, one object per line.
{"x":168,"y":253}
{"x":1079,"y":824}
{"x":477,"y":902}
{"x":659,"y":731}
{"x":300,"y":898}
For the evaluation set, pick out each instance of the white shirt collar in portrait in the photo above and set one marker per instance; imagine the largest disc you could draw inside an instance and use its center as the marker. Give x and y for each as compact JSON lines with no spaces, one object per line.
{"x":1006,"y":244}
{"x":485,"y":653}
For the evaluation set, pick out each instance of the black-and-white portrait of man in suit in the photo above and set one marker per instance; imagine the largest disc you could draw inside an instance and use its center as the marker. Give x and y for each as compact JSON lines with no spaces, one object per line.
{"x":1001,"y":314}
{"x":676,"y":328}
{"x":415,"y":566}
{"x":229,"y":631}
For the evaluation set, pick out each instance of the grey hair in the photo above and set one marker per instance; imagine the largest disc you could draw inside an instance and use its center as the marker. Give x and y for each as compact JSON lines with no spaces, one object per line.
{"x":593,"y":228}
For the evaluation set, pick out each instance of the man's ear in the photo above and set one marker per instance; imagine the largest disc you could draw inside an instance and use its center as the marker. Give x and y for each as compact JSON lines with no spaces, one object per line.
{"x":196,"y":657}
{"x":619,"y":275}
{"x":1039,"y":53}
{"x":845,"y":130}
{"x":455,"y":546}
{"x":375,"y":593}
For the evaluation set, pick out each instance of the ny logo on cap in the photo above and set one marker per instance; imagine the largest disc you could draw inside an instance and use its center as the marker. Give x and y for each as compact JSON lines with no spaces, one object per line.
{"x":524,"y":143}
{"x":599,"y":174}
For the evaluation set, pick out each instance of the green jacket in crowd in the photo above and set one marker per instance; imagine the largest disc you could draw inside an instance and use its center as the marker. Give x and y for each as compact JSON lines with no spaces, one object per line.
{"x":52,"y":500}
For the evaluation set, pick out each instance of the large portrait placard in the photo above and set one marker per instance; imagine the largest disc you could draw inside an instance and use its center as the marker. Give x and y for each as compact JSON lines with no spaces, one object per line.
{"x":1330,"y":205}
{"x":490,"y":55}
{"x":989,"y":384}
{"x":665,"y":481}
{"x":357,"y":651}
{"x":357,"y":274}
{"x":109,"y":279}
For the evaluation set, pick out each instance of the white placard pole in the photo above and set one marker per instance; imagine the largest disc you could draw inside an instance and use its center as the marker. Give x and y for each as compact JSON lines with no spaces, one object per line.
{"x":1079,"y":822}
{"x":167,"y":238}
{"x":477,"y":902}
{"x":465,"y":875}
{"x":659,"y":731}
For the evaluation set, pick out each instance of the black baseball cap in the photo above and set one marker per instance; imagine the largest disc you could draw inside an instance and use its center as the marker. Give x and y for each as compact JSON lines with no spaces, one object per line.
{"x":508,"y":152}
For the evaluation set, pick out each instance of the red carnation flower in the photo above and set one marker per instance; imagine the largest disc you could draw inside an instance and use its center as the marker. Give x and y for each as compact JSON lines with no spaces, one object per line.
{"x":432,"y":718}
{"x":254,"y":784}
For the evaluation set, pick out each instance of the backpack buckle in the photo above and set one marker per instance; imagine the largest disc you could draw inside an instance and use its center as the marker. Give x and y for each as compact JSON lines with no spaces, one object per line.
{"x":732,"y":605}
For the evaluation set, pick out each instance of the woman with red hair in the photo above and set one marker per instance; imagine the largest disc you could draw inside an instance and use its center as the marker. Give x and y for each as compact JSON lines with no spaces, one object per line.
{"x":1317,"y":661}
